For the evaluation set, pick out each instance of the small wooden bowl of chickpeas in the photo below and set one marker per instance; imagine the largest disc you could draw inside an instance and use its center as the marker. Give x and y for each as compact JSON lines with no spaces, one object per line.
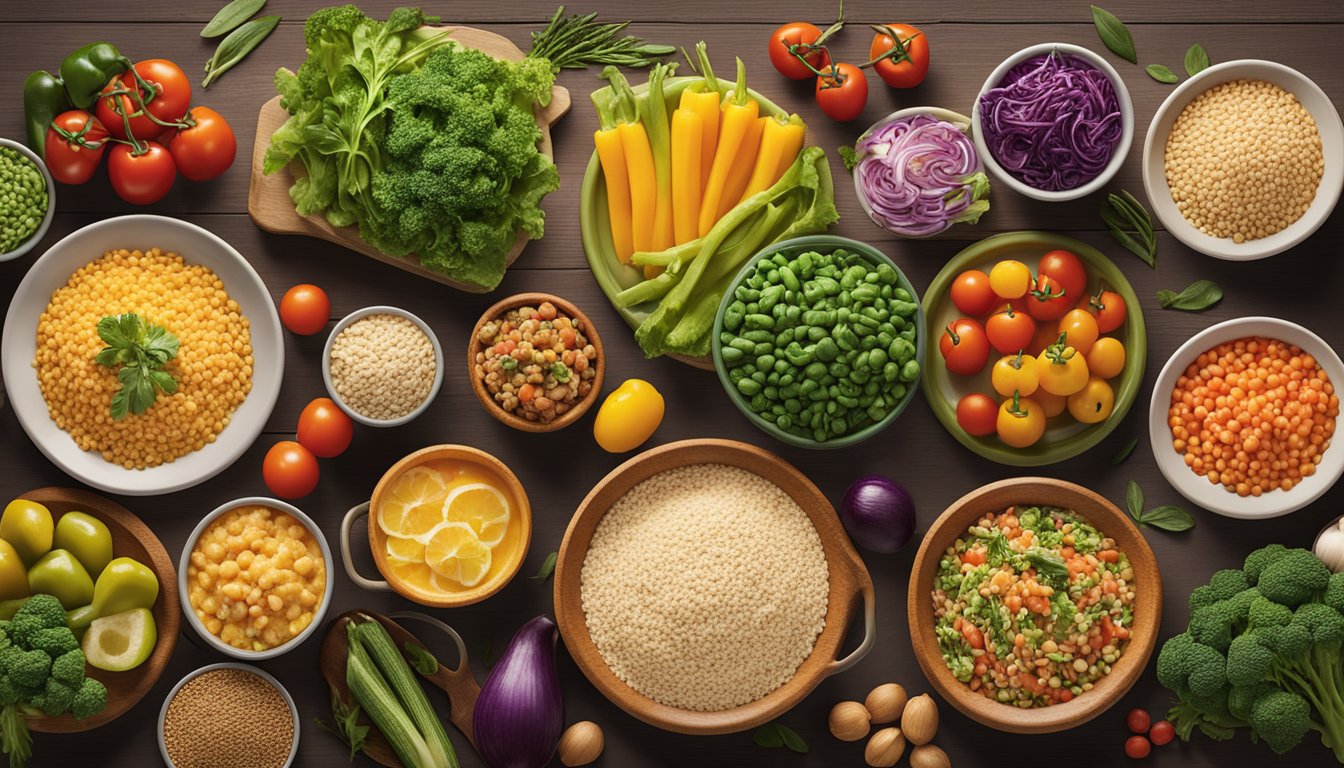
{"x":254,"y":578}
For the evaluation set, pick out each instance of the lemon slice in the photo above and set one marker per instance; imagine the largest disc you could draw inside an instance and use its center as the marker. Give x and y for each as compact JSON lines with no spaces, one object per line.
{"x":455,"y":553}
{"x":413,"y":503}
{"x":402,"y":550}
{"x":482,"y":507}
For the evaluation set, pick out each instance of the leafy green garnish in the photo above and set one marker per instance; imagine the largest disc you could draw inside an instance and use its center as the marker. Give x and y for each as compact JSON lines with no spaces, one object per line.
{"x":1165,"y":517}
{"x":1196,"y":297}
{"x":1114,"y":34}
{"x":1124,"y":453}
{"x":142,"y":350}
{"x":1049,"y":566}
{"x":347,"y":726}
{"x":1161,"y":73}
{"x":1131,"y":225}
{"x":547,"y":567}
{"x":773,"y":735}
{"x":848,"y":156}
{"x":1196,"y":60}
{"x":420,"y":659}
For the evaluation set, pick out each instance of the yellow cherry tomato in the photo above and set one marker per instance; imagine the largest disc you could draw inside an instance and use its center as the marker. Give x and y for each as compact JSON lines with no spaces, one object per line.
{"x":1106,"y":358}
{"x":1061,"y":370}
{"x":1014,"y":373}
{"x":1021,"y":421}
{"x":628,"y":416}
{"x":1053,"y":405}
{"x":1093,"y":403}
{"x":13,"y":575}
{"x":1080,"y":329}
{"x":1010,"y":279}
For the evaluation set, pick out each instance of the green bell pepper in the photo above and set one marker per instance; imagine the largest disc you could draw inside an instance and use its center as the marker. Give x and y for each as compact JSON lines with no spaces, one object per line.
{"x":43,"y":99}
{"x":124,"y":585}
{"x":86,"y":71}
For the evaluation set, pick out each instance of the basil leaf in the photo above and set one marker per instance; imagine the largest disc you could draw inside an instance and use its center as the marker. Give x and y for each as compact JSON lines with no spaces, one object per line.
{"x":791,"y":739}
{"x":1196,"y":60}
{"x":1134,"y":500}
{"x":1197,"y":297}
{"x":547,"y":567}
{"x":237,"y":46}
{"x":768,"y":736}
{"x":421,"y":659}
{"x":230,"y":16}
{"x":1161,"y":73}
{"x":1169,"y":518}
{"x":1125,"y":452}
{"x":1114,"y":34}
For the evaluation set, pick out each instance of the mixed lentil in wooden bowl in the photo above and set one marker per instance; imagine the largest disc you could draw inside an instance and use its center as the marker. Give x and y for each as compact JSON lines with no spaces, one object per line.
{"x":535,"y":362}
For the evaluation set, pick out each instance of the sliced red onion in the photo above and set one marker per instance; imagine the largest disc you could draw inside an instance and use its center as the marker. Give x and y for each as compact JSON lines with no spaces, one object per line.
{"x":920,"y":175}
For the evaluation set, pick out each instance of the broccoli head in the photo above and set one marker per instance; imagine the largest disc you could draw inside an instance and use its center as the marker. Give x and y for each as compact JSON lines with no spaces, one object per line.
{"x":1267,"y":613}
{"x":58,"y":698}
{"x":30,"y":668}
{"x":89,"y":699}
{"x":1257,"y":561}
{"x":1248,"y":661}
{"x":1191,"y":668}
{"x":1242,"y":698}
{"x":1281,"y":719}
{"x":69,"y":668}
{"x":1293,"y":578}
{"x":37,"y":613}
{"x":54,"y":641}
{"x":1334,"y":592}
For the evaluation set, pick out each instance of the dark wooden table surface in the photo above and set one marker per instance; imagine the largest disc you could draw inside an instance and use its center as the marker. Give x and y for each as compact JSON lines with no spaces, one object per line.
{"x":968,"y":39}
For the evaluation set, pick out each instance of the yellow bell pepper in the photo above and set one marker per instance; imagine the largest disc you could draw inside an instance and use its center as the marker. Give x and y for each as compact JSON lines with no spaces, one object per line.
{"x":638,"y":158}
{"x":740,"y":173}
{"x":736,"y":123}
{"x":704,"y":99}
{"x":687,"y":129}
{"x":781,"y":139}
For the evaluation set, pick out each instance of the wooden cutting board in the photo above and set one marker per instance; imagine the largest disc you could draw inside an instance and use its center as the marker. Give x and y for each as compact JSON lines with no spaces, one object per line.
{"x":269,"y":204}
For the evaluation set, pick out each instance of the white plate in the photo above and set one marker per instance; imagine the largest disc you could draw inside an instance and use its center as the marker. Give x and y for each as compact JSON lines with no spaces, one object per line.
{"x":1332,"y":143}
{"x":1197,"y":488}
{"x":197,"y":246}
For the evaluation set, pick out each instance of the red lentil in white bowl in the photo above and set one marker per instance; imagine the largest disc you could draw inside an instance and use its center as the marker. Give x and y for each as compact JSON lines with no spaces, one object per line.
{"x":382,"y":365}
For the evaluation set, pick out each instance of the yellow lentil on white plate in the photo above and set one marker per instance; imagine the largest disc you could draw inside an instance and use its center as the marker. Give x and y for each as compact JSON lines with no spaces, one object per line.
{"x":1243,"y":160}
{"x":382,"y":366}
{"x":705,"y":587}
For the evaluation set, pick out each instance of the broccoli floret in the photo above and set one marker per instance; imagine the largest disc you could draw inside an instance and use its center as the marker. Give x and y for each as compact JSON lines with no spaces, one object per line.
{"x":1291,"y":641}
{"x":1334,"y":592}
{"x":1189,"y":667}
{"x":69,"y":667}
{"x":1267,"y":613}
{"x":1212,"y":625}
{"x":55,"y":641}
{"x":1242,"y":698}
{"x":1257,"y":561}
{"x":1281,"y":719}
{"x":58,"y":699}
{"x":1202,"y":596}
{"x":37,"y":613}
{"x":30,"y":668}
{"x":1248,"y":661}
{"x":1295,"y":577}
{"x":89,"y":699}
{"x":1228,"y":582}
{"x":11,"y":692}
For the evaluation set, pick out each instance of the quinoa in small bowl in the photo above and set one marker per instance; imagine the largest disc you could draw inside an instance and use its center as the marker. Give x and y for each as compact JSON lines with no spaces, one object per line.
{"x":536,"y":362}
{"x":382,"y":365}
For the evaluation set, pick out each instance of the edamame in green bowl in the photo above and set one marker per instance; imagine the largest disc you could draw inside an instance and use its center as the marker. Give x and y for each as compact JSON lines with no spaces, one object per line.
{"x":819,"y":341}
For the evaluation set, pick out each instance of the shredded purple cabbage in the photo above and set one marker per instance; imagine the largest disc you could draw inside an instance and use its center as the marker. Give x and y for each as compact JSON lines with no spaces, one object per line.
{"x":1053,"y":123}
{"x":921,"y":175}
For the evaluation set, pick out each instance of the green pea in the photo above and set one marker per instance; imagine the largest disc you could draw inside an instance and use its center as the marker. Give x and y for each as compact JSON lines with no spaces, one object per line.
{"x":886,"y":274}
{"x":736,"y":375}
{"x":732,"y":356}
{"x":910,"y":371}
{"x":793,"y":313}
{"x":771,"y":296}
{"x":748,"y":387}
{"x":901,"y":294}
{"x":837,"y":427}
{"x":860,"y":376}
{"x":783,"y":366}
{"x":772,"y":379}
{"x":877,"y":359}
{"x":847,"y":401}
{"x":759,"y":322}
{"x":760,"y":348}
{"x":771,"y":392}
{"x":819,"y":317}
{"x":808,"y":386}
{"x":792,"y":404}
{"x":765,"y":361}
{"x":827,"y":349}
{"x":838,"y":369}
{"x":876,"y":412}
{"x":758,"y":377}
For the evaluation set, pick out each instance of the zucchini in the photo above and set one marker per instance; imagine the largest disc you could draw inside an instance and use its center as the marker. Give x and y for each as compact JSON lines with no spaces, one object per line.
{"x":372,"y":693}
{"x":406,"y":686}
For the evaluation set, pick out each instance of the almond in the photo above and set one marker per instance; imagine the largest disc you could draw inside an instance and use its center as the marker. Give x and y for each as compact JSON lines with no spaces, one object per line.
{"x":919,"y":721}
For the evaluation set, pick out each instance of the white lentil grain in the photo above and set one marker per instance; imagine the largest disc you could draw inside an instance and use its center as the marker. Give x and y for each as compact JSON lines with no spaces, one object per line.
{"x":383,"y":366}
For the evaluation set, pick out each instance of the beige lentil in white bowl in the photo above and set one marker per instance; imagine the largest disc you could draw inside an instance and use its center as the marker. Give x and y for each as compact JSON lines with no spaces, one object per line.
{"x":216,"y":709}
{"x":1287,"y":161}
{"x":382,"y":373}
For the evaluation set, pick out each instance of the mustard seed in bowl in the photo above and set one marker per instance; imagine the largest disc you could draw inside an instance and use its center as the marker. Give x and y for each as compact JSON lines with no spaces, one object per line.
{"x":382,"y":366}
{"x":227,"y":717}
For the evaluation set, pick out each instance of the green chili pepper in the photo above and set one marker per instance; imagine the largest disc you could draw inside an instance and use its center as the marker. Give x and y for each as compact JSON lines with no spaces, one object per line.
{"x":43,"y":99}
{"x":88,"y":69}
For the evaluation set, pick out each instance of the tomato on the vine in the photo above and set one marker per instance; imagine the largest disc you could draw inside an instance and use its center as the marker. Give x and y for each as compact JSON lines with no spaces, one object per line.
{"x":73,"y":161}
{"x":141,"y":179}
{"x":978,"y":414}
{"x":207,"y":148}
{"x":842,"y":92}
{"x":801,"y":37}
{"x":1045,"y":300}
{"x":972,"y":294}
{"x":1067,"y":270}
{"x":1009,"y":330}
{"x":1108,"y":307}
{"x":964,"y":346}
{"x":902,"y":65}
{"x":167,"y":104}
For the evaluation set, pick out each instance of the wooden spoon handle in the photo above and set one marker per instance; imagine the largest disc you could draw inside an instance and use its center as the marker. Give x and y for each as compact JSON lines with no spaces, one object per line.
{"x":458,"y":683}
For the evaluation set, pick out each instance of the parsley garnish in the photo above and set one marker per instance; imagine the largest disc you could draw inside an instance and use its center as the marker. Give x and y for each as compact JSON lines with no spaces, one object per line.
{"x":142,"y":350}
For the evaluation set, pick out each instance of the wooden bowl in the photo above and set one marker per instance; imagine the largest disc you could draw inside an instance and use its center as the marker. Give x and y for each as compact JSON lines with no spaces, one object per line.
{"x":130,"y":538}
{"x":848,"y":578}
{"x":508,"y":485}
{"x":589,"y":330}
{"x":995,"y":497}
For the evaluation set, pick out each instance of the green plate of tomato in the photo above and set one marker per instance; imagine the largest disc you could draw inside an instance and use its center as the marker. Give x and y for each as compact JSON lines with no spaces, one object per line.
{"x":1014,"y":294}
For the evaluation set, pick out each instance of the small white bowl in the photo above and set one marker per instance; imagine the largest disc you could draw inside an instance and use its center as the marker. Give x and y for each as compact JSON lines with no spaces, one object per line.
{"x":360,"y":314}
{"x":36,"y":237}
{"x":293,"y":710}
{"x":1332,"y":144}
{"x":185,"y":561}
{"x":1197,"y":488}
{"x":1117,"y":156}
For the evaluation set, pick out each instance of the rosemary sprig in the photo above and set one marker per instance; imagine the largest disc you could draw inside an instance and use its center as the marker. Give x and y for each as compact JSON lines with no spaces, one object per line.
{"x":1131,"y":225}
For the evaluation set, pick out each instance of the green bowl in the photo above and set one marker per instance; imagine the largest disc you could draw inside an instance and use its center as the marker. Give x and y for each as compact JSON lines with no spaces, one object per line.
{"x":791,"y":248}
{"x":595,"y":227}
{"x":1064,"y":438}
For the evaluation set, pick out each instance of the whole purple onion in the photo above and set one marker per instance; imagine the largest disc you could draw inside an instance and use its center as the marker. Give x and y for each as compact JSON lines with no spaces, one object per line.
{"x":878,"y":513}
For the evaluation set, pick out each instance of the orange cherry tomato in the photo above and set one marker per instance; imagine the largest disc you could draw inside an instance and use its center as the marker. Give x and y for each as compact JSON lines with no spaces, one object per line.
{"x":978,"y":414}
{"x":972,"y":294}
{"x":1052,"y":405}
{"x":1106,"y":358}
{"x":305,"y":309}
{"x":1080,"y":328}
{"x":1010,"y":331}
{"x":325,"y":429}
{"x":290,"y":470}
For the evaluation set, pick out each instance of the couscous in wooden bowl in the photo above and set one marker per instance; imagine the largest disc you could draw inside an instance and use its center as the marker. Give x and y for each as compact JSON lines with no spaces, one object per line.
{"x":848,"y":582}
{"x":1110,"y":521}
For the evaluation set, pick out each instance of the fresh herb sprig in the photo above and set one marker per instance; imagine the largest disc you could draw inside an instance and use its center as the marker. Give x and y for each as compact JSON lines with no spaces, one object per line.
{"x":1165,"y":518}
{"x":773,"y":735}
{"x":142,"y":350}
{"x":578,"y":41}
{"x":231,"y":16}
{"x":1131,"y":225}
{"x":346,"y":726}
{"x":1197,"y":297}
{"x":547,"y":567}
{"x":237,"y":46}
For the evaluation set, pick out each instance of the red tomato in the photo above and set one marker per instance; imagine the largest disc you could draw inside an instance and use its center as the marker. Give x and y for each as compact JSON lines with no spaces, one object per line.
{"x":964,"y":346}
{"x":1137,"y":720}
{"x":1109,"y":309}
{"x":843,"y":93}
{"x":1067,"y":270}
{"x":972,"y":294}
{"x":305,"y":309}
{"x":290,"y":470}
{"x":1046,"y":334}
{"x":978,"y":414}
{"x":1046,"y":300}
{"x":1162,"y":733}
{"x":74,"y":162}
{"x":325,"y":429}
{"x":168,"y":102}
{"x":1009,"y":330}
{"x":141,"y":179}
{"x":797,"y":37}
{"x":1137,"y":747}
{"x":206,"y":149}
{"x":903,"y":68}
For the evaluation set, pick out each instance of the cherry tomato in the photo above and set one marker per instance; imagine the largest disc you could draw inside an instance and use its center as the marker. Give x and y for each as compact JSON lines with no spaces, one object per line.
{"x":1106,"y":358}
{"x":1068,"y":270}
{"x":842,"y":93}
{"x":972,"y":294}
{"x":1009,"y":330}
{"x":168,"y":103}
{"x":1080,"y":328}
{"x":802,"y":35}
{"x":1010,"y":279}
{"x":290,"y":470}
{"x":978,"y":414}
{"x":1092,"y":405}
{"x":905,"y":67}
{"x":1053,"y":405}
{"x":1020,"y":422}
{"x":305,"y":309}
{"x":1162,"y":733}
{"x":73,"y":162}
{"x":1138,"y":720}
{"x":325,"y":429}
{"x":206,"y":149}
{"x":1108,"y":307}
{"x":1014,"y":373}
{"x":1045,"y":300}
{"x":1045,"y":336}
{"x":1137,"y":747}
{"x":141,"y":179}
{"x":1061,"y":369}
{"x":964,"y":346}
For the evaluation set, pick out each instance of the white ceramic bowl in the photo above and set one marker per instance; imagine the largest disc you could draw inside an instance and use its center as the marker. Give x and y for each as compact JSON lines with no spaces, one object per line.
{"x":185,"y":560}
{"x":1332,"y":143}
{"x":36,"y":237}
{"x":360,"y":314}
{"x":197,"y":246}
{"x":293,"y":710}
{"x":1197,"y":488}
{"x":1117,"y":157}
